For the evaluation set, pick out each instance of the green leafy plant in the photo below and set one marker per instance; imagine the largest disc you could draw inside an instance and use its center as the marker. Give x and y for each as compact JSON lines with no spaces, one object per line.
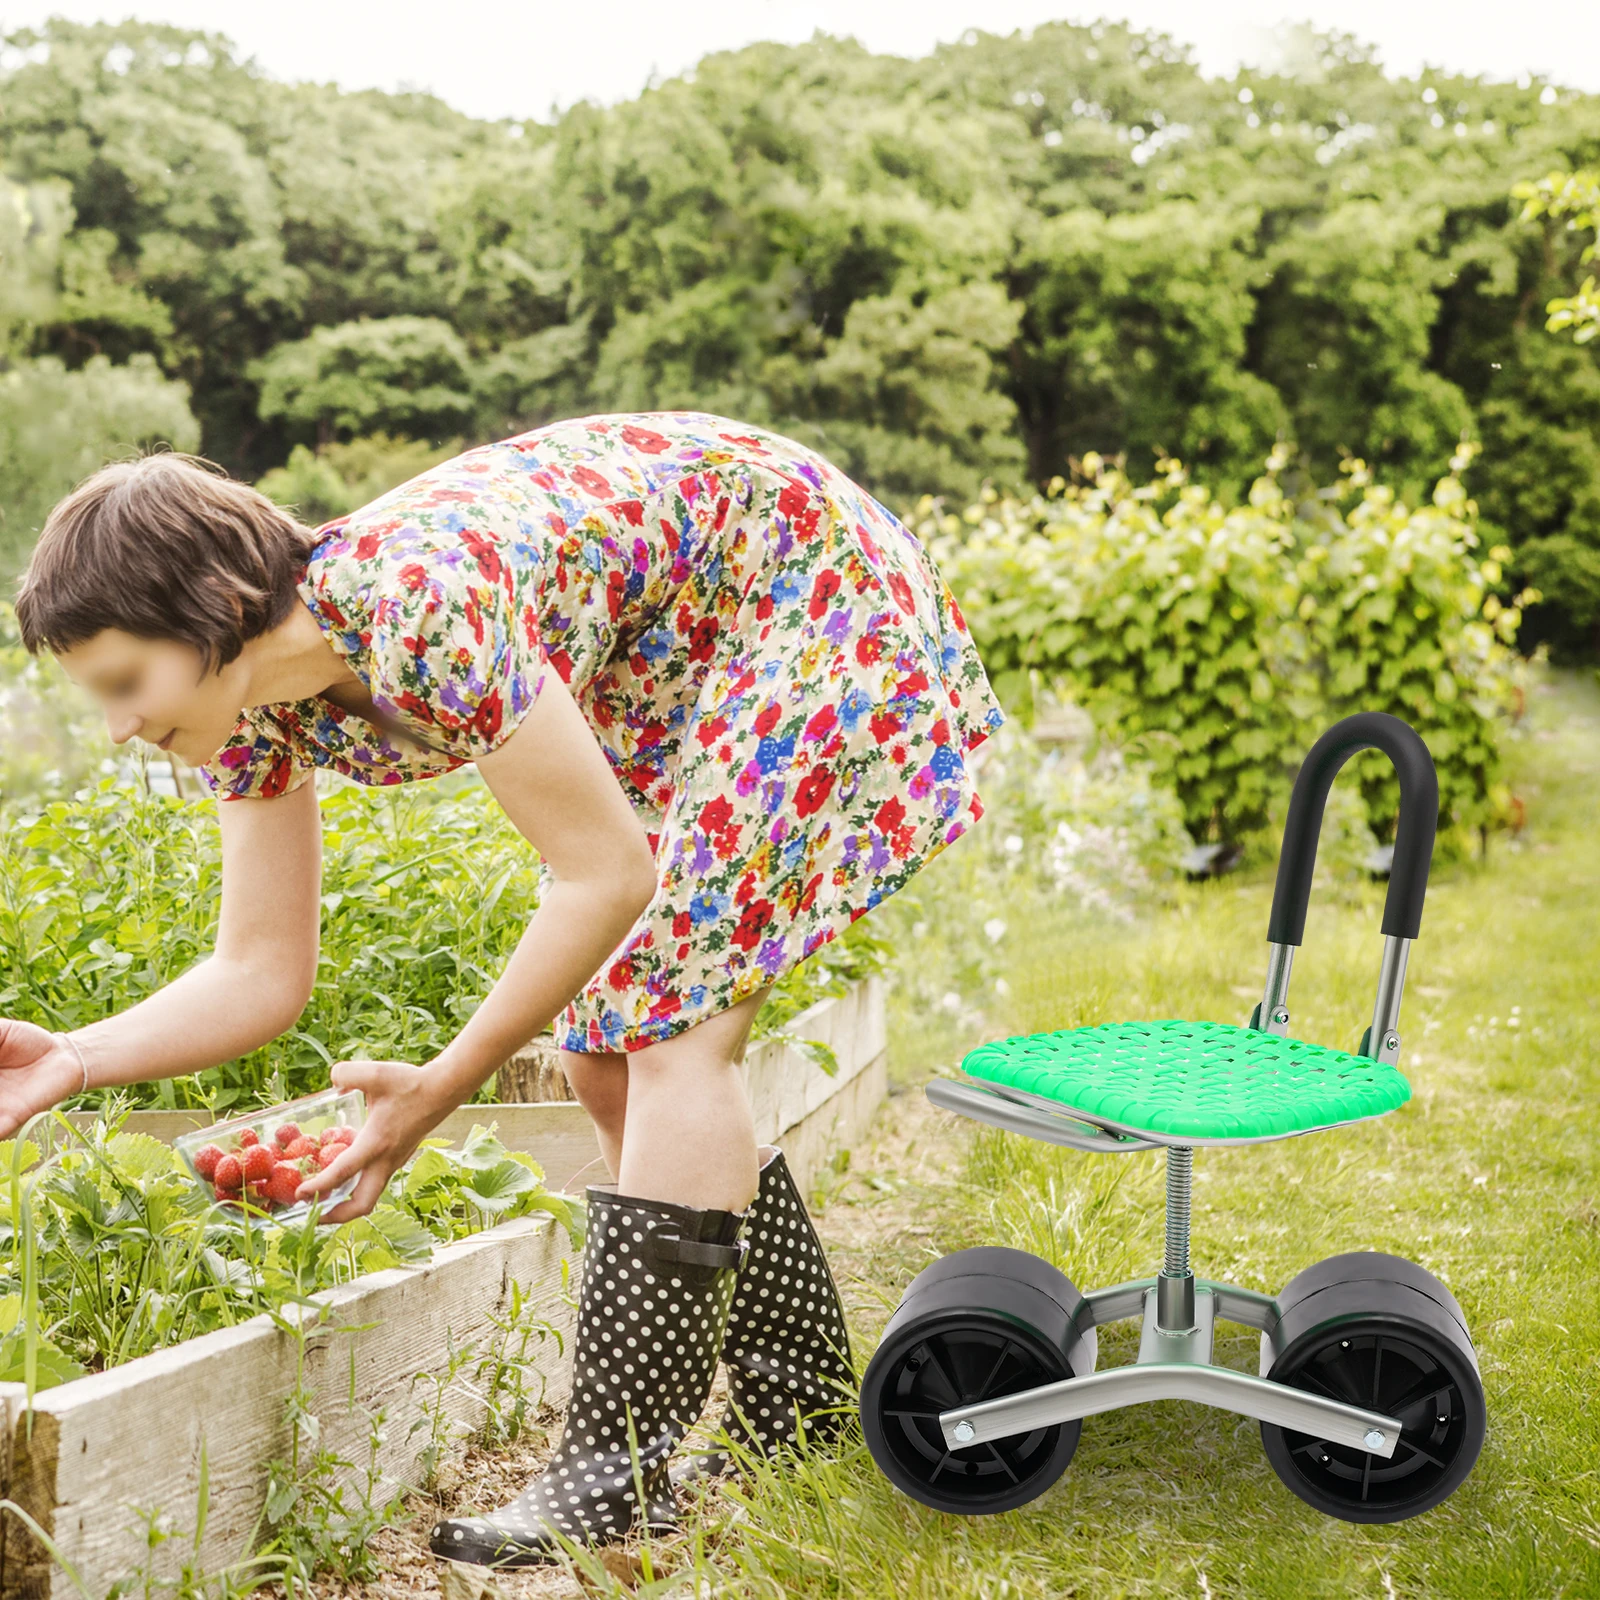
{"x":1218,"y":643}
{"x":108,"y":895}
{"x":1575,"y":196}
{"x":112,"y":1251}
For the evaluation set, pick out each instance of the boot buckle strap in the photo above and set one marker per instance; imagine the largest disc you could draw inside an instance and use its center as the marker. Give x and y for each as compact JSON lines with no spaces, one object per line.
{"x":700,"y":1252}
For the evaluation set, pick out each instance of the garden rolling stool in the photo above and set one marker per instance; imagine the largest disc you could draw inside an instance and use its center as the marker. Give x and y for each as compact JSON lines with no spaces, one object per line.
{"x":1369,"y":1398}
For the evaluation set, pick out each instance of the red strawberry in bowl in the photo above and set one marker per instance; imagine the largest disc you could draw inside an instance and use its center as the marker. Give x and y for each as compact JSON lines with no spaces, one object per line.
{"x":206,"y":1159}
{"x":283,"y":1183}
{"x":286,"y":1135}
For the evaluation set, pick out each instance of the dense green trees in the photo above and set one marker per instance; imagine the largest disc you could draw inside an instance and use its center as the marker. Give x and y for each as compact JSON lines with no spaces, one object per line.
{"x":979,"y":264}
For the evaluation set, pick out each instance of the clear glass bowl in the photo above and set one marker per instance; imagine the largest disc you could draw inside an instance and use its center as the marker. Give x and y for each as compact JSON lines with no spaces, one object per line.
{"x":307,"y":1126}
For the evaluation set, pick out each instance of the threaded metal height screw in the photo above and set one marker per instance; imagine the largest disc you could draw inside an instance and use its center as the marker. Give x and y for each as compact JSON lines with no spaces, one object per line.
{"x":1180,"y":1188}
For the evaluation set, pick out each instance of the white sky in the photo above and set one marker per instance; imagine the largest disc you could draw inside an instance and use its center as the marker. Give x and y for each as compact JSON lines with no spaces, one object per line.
{"x":525,"y":58}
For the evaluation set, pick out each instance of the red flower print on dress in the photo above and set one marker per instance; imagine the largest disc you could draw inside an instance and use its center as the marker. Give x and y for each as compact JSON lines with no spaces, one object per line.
{"x":822,"y":591}
{"x":484,"y":552}
{"x":715,"y":815}
{"x":901,"y":590}
{"x":767,"y":719}
{"x":644,"y":439}
{"x":486,"y":720}
{"x":821,"y":724}
{"x":755,"y":918}
{"x":703,"y":640}
{"x":814,"y":789}
{"x":590,"y":481}
{"x":890,"y":814}
{"x":792,"y":500}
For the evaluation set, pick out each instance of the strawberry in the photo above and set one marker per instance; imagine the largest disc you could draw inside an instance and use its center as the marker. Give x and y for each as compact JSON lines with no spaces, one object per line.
{"x":340,"y":1135}
{"x":257,"y":1162}
{"x":286,"y":1135}
{"x":301,"y":1147}
{"x":229,"y":1174}
{"x":262,"y":1192}
{"x":284,"y":1181}
{"x":329,"y":1153}
{"x":249,"y":1137}
{"x":206,"y":1159}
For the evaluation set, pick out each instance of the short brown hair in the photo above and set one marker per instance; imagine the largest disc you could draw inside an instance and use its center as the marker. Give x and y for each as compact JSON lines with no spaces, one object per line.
{"x":164,"y":545}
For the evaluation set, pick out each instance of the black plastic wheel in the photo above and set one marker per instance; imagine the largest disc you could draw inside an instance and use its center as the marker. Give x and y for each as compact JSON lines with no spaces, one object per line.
{"x":975,"y":1325}
{"x":1380,"y":1332}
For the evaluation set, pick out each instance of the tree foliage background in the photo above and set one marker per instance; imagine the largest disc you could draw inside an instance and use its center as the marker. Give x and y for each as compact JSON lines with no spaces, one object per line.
{"x":977,"y":265}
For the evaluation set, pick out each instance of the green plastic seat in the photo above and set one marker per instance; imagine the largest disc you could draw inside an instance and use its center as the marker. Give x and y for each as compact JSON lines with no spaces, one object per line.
{"x":1204,"y":1080}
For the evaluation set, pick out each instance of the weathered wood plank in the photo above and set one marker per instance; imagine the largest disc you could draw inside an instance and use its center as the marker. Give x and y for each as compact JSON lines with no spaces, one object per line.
{"x":109,"y":1444}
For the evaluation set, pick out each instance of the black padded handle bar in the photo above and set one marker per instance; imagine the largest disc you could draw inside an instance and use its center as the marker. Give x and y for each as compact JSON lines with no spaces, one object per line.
{"x":1413,"y":845}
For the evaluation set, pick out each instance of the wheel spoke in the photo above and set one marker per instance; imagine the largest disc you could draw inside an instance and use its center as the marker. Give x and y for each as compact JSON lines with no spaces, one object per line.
{"x":1306,"y":1375}
{"x":1377,"y":1374}
{"x":941,"y":1371}
{"x":1366,"y":1475}
{"x":910,"y":1411}
{"x":1430,"y":1399}
{"x":1425,"y":1388}
{"x":944,"y":1461}
{"x":1010,"y":1473}
{"x":1427,"y":1455}
{"x":983,"y":1388}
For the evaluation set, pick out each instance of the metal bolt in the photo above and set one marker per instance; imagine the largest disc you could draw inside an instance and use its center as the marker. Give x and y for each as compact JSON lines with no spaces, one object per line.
{"x":1391,"y":1041}
{"x":1280,"y":1015}
{"x":964,"y":1431}
{"x":1374,"y":1439}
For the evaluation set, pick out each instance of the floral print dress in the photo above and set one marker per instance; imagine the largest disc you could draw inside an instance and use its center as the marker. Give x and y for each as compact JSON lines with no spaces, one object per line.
{"x":783,"y":684}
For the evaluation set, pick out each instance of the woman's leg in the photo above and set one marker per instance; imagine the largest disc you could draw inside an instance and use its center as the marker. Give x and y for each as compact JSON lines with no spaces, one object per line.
{"x":691,"y":1138}
{"x":599,"y":1078}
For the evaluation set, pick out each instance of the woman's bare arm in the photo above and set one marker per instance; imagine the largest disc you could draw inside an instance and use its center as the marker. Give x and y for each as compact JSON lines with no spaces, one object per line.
{"x":554,"y":782}
{"x":249,"y":990}
{"x":260,"y":974}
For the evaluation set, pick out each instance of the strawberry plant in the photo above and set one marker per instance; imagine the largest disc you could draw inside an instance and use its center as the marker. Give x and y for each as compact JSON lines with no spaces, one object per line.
{"x":109,"y":1250}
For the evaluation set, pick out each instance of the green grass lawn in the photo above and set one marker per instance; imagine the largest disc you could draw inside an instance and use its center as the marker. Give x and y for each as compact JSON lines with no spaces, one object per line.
{"x":1489,"y":1176}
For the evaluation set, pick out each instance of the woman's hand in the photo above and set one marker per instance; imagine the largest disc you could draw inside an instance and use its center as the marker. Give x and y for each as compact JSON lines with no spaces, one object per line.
{"x":402,"y":1109}
{"x":37,"y":1071}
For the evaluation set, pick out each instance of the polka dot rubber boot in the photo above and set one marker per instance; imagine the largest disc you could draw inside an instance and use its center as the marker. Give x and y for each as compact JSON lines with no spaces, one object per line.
{"x":787,"y":1347}
{"x":657,"y":1282}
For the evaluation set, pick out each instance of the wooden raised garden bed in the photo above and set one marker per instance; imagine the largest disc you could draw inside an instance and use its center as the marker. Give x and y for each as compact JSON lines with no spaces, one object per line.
{"x":104,"y":1447}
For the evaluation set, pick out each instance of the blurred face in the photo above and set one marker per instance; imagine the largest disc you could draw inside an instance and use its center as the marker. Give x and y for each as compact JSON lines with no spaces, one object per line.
{"x":152,"y":689}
